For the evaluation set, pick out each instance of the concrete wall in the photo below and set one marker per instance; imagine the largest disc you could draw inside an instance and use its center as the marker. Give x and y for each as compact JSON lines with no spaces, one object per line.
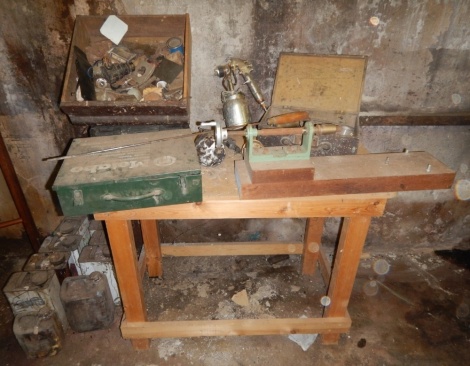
{"x":418,"y":66}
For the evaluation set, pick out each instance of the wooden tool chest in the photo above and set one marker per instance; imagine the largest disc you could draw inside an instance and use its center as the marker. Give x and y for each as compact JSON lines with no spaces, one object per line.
{"x":153,"y":169}
{"x":327,"y":87}
{"x":145,"y":34}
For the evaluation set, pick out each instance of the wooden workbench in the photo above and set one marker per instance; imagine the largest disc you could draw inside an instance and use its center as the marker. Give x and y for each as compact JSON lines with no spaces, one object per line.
{"x":221,"y":201}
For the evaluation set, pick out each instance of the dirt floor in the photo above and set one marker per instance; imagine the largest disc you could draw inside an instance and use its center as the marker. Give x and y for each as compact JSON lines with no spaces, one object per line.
{"x":406,"y":308}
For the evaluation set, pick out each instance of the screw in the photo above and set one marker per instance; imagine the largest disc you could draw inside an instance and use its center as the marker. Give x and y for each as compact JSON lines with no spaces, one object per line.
{"x":325,"y":301}
{"x":387,"y":161}
{"x":428,"y":169}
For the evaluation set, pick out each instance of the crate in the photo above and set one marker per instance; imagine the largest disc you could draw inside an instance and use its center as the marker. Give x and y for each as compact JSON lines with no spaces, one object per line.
{"x":145,"y":31}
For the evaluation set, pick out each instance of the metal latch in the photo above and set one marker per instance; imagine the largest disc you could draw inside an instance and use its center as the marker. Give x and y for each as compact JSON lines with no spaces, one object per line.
{"x":78,"y":198}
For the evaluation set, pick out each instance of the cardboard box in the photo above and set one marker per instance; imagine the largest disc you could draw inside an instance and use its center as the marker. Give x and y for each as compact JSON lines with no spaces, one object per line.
{"x":145,"y":34}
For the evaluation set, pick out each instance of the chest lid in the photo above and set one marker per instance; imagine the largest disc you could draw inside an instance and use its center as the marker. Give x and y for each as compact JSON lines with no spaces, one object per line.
{"x":145,"y":155}
{"x":329,"y":87}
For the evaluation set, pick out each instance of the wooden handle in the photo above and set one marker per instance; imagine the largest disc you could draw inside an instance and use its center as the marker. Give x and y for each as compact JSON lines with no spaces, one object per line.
{"x":288,"y":118}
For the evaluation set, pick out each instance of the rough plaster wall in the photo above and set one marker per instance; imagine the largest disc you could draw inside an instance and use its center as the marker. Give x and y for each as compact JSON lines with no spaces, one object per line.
{"x":416,"y":48}
{"x":418,"y":63}
{"x":34,"y":38}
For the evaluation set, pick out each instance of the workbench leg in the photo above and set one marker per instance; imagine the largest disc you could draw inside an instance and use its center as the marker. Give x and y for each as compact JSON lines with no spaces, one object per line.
{"x":153,"y":252}
{"x":121,"y":240}
{"x":312,"y":242}
{"x":348,"y":254}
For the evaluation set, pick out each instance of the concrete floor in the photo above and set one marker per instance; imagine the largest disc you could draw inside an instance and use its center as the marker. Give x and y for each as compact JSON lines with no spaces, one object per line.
{"x":417,"y":313}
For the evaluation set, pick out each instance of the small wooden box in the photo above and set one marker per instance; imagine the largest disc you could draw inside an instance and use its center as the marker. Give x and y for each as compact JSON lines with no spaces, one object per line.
{"x":329,"y":88}
{"x":144,"y":30}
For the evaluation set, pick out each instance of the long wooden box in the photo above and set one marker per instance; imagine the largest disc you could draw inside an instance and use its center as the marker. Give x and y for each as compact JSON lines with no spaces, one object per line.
{"x":354,"y":174}
{"x":144,"y":31}
{"x":154,"y":169}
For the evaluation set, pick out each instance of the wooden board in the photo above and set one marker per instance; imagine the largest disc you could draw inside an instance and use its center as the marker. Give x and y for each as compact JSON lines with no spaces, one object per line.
{"x":232,"y":327}
{"x":285,"y":171}
{"x":353,"y":174}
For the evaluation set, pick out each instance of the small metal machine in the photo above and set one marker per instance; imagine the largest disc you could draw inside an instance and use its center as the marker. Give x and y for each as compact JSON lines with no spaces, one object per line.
{"x":290,"y":162}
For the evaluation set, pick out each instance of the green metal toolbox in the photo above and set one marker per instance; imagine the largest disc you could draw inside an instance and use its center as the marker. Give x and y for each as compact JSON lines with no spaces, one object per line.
{"x":135,"y":171}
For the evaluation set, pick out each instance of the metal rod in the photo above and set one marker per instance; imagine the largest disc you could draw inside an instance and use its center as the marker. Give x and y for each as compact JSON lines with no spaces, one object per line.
{"x":111,"y":149}
{"x":10,"y":223}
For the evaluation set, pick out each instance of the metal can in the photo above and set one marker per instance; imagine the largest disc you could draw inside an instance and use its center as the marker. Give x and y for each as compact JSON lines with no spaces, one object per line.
{"x":175,"y":44}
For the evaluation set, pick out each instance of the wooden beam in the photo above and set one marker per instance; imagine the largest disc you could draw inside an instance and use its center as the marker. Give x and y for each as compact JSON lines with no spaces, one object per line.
{"x":19,"y":199}
{"x":151,"y":237}
{"x":348,"y":255}
{"x":283,"y":171}
{"x":325,"y":266}
{"x":352,"y":174}
{"x":372,"y":204}
{"x":312,"y":244}
{"x":121,"y":240}
{"x":234,"y":327}
{"x":142,"y":263}
{"x":241,"y":248}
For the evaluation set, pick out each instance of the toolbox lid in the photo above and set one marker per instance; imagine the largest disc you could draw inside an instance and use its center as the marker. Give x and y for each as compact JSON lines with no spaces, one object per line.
{"x":146,"y":155}
{"x":329,"y":87}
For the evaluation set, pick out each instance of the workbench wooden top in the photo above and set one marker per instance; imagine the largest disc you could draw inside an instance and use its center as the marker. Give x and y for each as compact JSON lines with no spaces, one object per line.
{"x":221,"y":200}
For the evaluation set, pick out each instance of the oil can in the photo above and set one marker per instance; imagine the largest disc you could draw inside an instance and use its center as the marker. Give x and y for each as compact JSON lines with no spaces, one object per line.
{"x":31,"y":291}
{"x":88,"y":302}
{"x":39,"y":333}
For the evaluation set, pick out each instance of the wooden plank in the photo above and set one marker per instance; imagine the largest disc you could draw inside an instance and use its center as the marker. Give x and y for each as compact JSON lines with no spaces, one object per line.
{"x":312,"y":244}
{"x":354,"y":174}
{"x":284,"y":171}
{"x":153,"y":254}
{"x":233,"y":327}
{"x":242,"y":248}
{"x":142,"y":263}
{"x":121,"y":240}
{"x":348,"y":254}
{"x":325,"y":266}
{"x":324,"y":206}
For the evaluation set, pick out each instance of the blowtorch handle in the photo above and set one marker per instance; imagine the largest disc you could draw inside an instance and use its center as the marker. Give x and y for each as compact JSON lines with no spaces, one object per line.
{"x":273,"y":132}
{"x":288,"y":118}
{"x":254,"y":89}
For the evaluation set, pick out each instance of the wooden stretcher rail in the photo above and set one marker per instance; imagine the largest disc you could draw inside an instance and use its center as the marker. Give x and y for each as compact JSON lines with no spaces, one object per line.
{"x":218,"y":249}
{"x":234,"y":327}
{"x":326,"y":206}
